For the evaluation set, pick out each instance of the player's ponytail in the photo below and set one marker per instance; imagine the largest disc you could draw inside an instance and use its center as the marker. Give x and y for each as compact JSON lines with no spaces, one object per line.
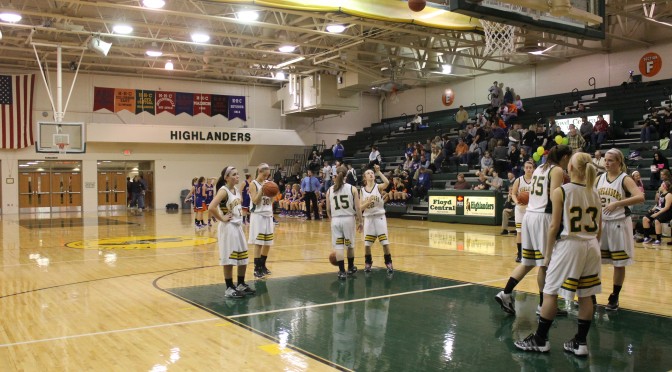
{"x":340,"y":177}
{"x":591,"y":174}
{"x":556,"y":154}
{"x":583,"y":168}
{"x":221,"y":181}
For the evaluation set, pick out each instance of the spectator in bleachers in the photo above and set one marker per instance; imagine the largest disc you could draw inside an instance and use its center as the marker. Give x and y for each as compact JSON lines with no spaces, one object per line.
{"x":408,"y":153}
{"x":514,"y":159}
{"x":473,"y":155}
{"x":658,"y":164}
{"x":501,"y":156}
{"x":529,"y":139}
{"x":482,"y":182}
{"x":519,"y":105}
{"x":351,"y":176}
{"x":314,"y":163}
{"x":461,"y":117}
{"x":524,"y":156}
{"x":665,"y":124}
{"x":459,"y":156}
{"x":424,"y":183}
{"x":638,"y":180}
{"x":416,"y":122}
{"x":508,"y":96}
{"x":576,"y":142}
{"x":480,"y":120}
{"x":487,"y":163}
{"x":581,"y":108}
{"x":424,"y":162}
{"x":296,"y":170}
{"x":495,"y":182}
{"x":374,"y":157}
{"x":600,"y":130}
{"x":436,"y":158}
{"x":586,"y":131}
{"x":551,"y":126}
{"x":647,"y":129}
{"x":398,"y":193}
{"x":514,"y":135}
{"x":509,"y":113}
{"x":415,"y":165}
{"x":338,"y":150}
{"x":495,"y":95}
{"x":326,"y":173}
{"x":598,"y":161}
{"x":460,"y":184}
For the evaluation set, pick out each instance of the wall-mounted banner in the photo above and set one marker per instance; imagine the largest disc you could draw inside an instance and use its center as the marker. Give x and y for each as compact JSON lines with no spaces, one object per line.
{"x":479,"y":206}
{"x":441,"y":204}
{"x":175,"y":103}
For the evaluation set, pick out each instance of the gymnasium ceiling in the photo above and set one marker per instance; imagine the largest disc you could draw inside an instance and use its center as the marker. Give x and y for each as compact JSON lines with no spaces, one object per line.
{"x":383,"y":41}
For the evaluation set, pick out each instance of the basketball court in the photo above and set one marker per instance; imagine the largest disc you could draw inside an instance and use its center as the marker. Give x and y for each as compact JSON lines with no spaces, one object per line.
{"x":144,"y":292}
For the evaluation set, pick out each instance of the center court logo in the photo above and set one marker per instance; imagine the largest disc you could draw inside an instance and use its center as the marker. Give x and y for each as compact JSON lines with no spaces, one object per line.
{"x":142,"y":242}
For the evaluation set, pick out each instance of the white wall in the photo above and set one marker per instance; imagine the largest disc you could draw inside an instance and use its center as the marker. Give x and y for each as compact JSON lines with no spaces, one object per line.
{"x":533,"y":81}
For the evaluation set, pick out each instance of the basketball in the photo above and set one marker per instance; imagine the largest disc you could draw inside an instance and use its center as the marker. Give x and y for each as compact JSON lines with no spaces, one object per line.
{"x":332,"y":259}
{"x":524,"y":198}
{"x":270,"y":189}
{"x":417,"y":5}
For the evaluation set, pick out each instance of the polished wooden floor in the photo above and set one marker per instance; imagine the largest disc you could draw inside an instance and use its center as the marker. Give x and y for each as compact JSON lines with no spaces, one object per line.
{"x":93,"y":308}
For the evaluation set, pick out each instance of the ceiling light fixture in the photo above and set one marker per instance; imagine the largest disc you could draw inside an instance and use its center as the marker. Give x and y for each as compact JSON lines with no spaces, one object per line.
{"x":169,"y":65}
{"x":287,"y":48}
{"x":446,"y":69}
{"x":122,"y":29}
{"x":154,"y":53}
{"x":335,"y":29}
{"x":247,"y":15}
{"x":200,"y":37}
{"x":153,"y":4}
{"x":291,"y":61}
{"x":279,"y":75}
{"x":10,"y":17}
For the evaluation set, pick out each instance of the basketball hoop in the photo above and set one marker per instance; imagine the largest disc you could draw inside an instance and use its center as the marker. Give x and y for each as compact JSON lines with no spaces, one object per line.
{"x":500,"y":37}
{"x":62,"y":148}
{"x":62,"y":141}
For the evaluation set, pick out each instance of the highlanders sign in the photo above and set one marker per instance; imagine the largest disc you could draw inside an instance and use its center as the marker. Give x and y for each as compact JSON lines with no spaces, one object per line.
{"x":439,"y":204}
{"x":479,"y":206}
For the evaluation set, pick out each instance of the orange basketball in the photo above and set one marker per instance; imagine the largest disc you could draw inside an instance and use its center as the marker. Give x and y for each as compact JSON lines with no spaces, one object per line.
{"x":524,"y":198}
{"x":417,"y":5}
{"x":270,"y":189}
{"x":332,"y":259}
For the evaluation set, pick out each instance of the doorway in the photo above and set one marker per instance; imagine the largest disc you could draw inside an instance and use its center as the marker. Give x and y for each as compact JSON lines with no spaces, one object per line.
{"x":50,"y":186}
{"x":113,"y":176}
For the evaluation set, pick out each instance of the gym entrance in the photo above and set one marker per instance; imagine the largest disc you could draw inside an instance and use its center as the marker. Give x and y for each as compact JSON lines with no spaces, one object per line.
{"x":50,"y":186}
{"x":113,"y":178}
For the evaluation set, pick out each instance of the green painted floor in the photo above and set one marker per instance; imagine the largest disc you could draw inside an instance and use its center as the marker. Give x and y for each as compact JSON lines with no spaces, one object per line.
{"x":456,"y":328}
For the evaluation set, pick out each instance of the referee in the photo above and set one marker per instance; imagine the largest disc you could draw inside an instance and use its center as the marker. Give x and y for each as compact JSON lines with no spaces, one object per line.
{"x":310,"y":187}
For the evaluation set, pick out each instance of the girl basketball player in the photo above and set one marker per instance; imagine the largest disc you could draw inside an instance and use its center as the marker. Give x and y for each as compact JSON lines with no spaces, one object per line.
{"x":230,"y":236}
{"x":199,"y":202}
{"x":209,"y":194}
{"x":573,"y":261}
{"x":261,"y":221}
{"x":520,"y":185}
{"x":286,"y":201}
{"x":618,"y":192}
{"x":344,"y":211}
{"x":659,"y":215}
{"x":296,"y":201}
{"x":246,"y":199}
{"x":545,"y":180}
{"x":375,"y":223}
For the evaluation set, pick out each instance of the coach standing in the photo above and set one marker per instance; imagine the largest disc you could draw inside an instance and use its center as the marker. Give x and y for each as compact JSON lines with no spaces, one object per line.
{"x":310,"y":187}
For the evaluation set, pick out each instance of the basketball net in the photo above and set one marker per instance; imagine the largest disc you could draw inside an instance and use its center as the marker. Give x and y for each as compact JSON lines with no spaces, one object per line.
{"x":500,"y":37}
{"x":62,"y":148}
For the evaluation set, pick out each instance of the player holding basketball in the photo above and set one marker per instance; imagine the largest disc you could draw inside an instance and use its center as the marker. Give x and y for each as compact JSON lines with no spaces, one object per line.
{"x":545,"y":180}
{"x":375,"y":223}
{"x":343,"y":209}
{"x":573,"y":261}
{"x":261,"y":221}
{"x":618,"y":192}
{"x":521,"y":185}
{"x":230,"y":235}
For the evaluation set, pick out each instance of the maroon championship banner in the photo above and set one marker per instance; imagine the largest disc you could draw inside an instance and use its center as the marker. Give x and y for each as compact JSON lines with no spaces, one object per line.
{"x":174,"y":103}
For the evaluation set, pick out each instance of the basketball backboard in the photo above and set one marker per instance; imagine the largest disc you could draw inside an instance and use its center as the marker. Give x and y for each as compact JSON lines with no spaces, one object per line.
{"x":49,"y":134}
{"x":528,"y":17}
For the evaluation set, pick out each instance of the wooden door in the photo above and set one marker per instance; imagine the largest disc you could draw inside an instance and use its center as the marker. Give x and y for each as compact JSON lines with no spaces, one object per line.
{"x":118,"y":195}
{"x":59,"y":187}
{"x":104,"y":188}
{"x":149,"y":194}
{"x":74,"y":189}
{"x":42,"y":184}
{"x":27,"y":197}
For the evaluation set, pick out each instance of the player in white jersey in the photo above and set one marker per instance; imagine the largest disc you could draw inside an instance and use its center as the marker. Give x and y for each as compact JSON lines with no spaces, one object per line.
{"x":261,"y":221}
{"x":573,"y":258}
{"x":230,"y":235}
{"x":545,"y":180}
{"x":618,"y":192}
{"x":344,"y":210}
{"x":521,"y":185}
{"x":375,"y":223}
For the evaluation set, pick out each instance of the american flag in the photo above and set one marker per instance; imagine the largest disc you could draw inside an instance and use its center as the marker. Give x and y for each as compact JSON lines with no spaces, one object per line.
{"x":16,"y":110}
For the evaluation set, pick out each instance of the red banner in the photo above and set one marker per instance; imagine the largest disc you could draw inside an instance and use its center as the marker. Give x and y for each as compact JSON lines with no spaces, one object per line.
{"x":203,"y":104}
{"x":165,"y":102}
{"x":103,"y":98}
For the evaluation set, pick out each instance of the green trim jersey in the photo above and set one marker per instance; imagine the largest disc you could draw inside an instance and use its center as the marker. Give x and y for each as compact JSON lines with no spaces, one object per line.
{"x":581,"y":209}
{"x":266,"y":206}
{"x":342,"y":201}
{"x":540,"y":195}
{"x":378,"y":208}
{"x":234,"y":204}
{"x":613,"y":191}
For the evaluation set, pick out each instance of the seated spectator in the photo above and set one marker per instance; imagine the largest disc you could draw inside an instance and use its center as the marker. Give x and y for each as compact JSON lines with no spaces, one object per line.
{"x":495,"y":182}
{"x":664,"y":123}
{"x":424,"y":162}
{"x":487,"y":163}
{"x":460,"y":184}
{"x":482,"y":182}
{"x":416,"y":122}
{"x":514,"y":135}
{"x":586,"y":131}
{"x":424,"y":183}
{"x":638,"y":180}
{"x":598,"y":161}
{"x":658,"y":165}
{"x":408,"y":153}
{"x":459,"y":156}
{"x":436,"y":158}
{"x":508,"y":95}
{"x":647,"y":129}
{"x":374,"y":156}
{"x":600,"y":131}
{"x":509,"y":113}
{"x":581,"y":108}
{"x":514,"y":159}
{"x":481,"y":120}
{"x":473,"y":154}
{"x":576,"y":142}
{"x":530,"y":138}
{"x":398,"y":193}
{"x":519,"y":105}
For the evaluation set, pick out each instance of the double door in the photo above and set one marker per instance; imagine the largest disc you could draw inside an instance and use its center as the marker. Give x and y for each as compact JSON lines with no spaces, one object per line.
{"x":44,"y":191}
{"x":112,"y":190}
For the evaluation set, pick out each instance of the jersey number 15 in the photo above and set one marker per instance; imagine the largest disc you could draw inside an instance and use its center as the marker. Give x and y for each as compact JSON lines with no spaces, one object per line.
{"x":345,"y":203}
